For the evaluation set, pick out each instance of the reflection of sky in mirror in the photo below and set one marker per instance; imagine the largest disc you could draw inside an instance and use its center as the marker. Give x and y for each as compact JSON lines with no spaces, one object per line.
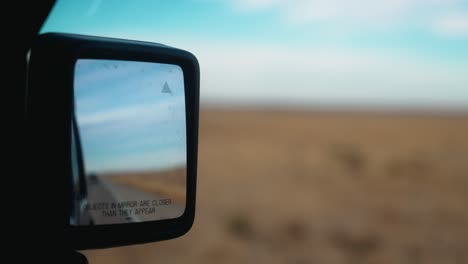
{"x":127,"y":118}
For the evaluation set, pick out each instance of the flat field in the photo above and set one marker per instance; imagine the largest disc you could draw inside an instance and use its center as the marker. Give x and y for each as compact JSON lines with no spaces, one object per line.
{"x":317,"y":187}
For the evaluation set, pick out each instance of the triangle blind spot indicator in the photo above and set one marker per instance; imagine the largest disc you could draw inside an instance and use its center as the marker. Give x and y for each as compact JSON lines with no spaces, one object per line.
{"x":166,"y":89}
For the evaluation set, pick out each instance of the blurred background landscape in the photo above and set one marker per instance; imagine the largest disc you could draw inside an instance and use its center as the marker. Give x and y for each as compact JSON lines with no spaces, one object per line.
{"x":330,"y":131}
{"x":311,"y":187}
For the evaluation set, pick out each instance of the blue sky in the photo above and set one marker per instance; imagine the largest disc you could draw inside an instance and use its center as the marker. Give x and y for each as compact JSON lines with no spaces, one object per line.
{"x":304,"y":53}
{"x":126,"y":121}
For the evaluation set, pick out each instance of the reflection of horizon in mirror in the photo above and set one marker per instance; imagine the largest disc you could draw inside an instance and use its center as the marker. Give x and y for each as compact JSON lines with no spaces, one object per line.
{"x":131,"y":124}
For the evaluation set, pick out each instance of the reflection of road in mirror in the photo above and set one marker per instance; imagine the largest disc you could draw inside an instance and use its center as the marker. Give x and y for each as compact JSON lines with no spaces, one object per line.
{"x":136,"y":197}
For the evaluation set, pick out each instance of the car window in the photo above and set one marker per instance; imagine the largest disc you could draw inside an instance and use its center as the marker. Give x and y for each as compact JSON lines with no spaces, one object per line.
{"x":330,"y":131}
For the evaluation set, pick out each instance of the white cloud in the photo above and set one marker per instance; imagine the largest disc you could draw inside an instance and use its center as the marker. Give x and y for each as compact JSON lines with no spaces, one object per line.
{"x":128,"y":115}
{"x":360,"y":13}
{"x":256,"y":4}
{"x":99,"y":74}
{"x":93,"y":7}
{"x":454,"y":25}
{"x":311,"y":77}
{"x":330,"y":9}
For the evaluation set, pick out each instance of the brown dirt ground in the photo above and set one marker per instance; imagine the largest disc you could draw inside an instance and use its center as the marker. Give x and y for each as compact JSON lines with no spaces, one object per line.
{"x":169,"y":184}
{"x":298,"y":187}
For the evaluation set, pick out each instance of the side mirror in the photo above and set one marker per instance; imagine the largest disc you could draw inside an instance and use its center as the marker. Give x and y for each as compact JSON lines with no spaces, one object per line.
{"x":119,"y":121}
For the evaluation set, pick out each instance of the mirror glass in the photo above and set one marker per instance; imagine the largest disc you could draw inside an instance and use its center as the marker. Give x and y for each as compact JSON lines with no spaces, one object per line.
{"x":129,"y":144}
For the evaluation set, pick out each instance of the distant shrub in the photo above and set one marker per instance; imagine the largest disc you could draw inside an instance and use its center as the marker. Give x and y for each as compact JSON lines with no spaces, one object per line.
{"x":240,"y":225}
{"x":413,"y":167}
{"x":349,"y":156}
{"x":296,"y":230}
{"x":357,"y":246}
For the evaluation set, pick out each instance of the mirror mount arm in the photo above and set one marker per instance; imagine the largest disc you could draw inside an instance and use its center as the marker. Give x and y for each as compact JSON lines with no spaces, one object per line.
{"x":75,"y":257}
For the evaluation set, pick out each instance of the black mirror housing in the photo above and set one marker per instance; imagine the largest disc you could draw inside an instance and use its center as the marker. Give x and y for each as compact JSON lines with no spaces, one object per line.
{"x":49,"y":112}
